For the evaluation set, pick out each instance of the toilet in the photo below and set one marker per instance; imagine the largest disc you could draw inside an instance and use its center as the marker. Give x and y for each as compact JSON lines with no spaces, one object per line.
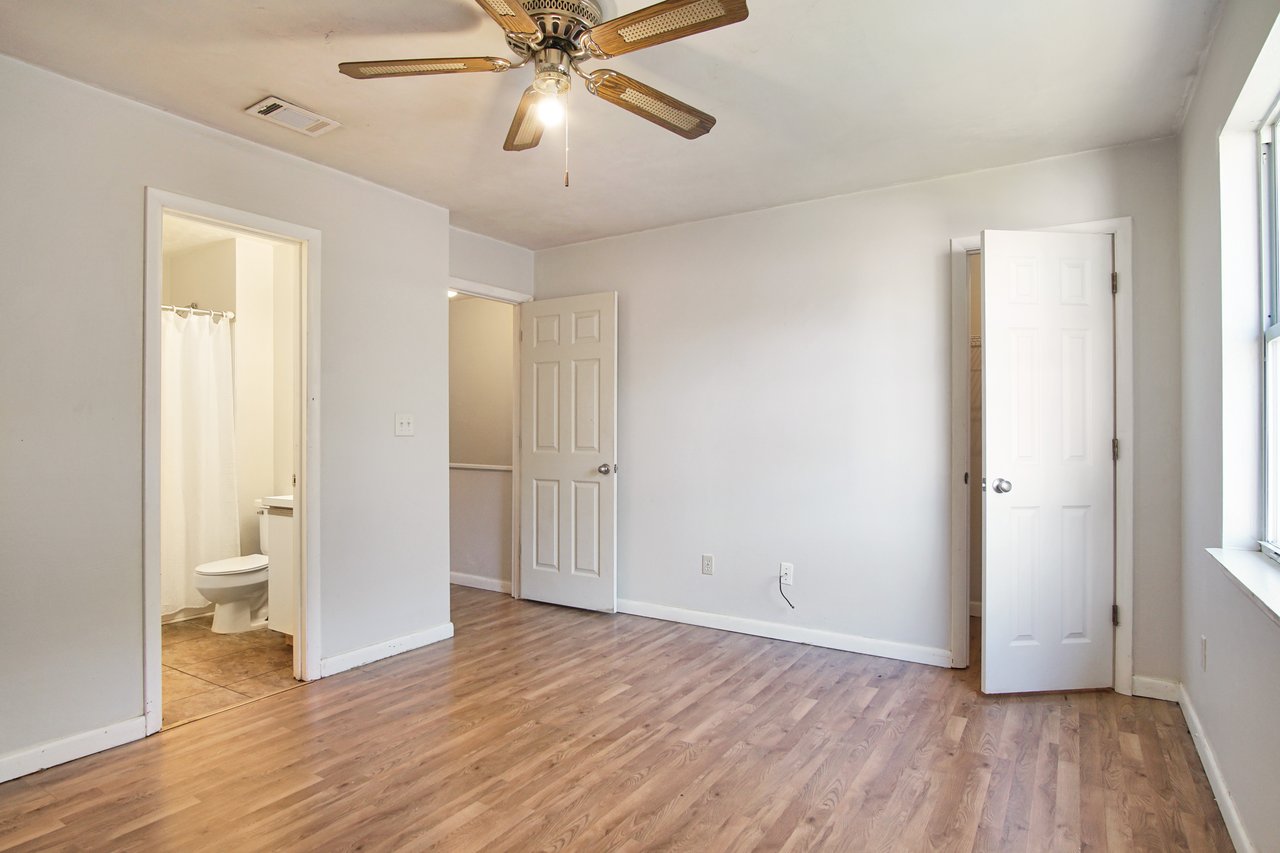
{"x":237,"y":587}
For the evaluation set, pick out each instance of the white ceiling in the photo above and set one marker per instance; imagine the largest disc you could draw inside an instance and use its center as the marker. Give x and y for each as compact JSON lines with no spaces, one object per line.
{"x":814,"y":97}
{"x":181,"y":233}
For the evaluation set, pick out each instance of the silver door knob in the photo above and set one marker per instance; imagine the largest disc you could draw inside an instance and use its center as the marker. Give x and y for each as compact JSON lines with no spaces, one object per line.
{"x":605,"y":469}
{"x":1002,"y":486}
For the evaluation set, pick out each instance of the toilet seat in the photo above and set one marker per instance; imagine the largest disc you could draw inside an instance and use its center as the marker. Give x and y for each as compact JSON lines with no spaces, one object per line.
{"x":233,"y":565}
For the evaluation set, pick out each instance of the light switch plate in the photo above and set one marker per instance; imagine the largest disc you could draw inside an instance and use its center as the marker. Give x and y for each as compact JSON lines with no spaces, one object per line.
{"x":404,"y":423}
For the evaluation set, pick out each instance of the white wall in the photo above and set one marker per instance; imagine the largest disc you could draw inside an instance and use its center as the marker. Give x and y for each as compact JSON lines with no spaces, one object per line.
{"x":483,"y":259}
{"x":481,"y":381}
{"x":784,"y":395}
{"x":1237,"y":696}
{"x":205,"y":275}
{"x":285,"y":367}
{"x":255,"y":383}
{"x":77,"y":162}
{"x":480,"y":527}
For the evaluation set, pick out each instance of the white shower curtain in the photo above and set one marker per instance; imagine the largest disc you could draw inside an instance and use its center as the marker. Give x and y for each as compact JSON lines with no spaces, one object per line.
{"x":199,"y":516}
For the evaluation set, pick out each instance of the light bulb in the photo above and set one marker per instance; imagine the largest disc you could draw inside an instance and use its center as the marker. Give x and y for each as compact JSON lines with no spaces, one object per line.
{"x":452,"y":293}
{"x":550,"y":111}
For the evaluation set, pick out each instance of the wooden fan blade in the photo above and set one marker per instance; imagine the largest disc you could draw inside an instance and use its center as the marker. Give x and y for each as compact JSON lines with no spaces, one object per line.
{"x":419,"y":67}
{"x":511,"y":16}
{"x":647,"y":102}
{"x":526,"y":129}
{"x":662,"y":22}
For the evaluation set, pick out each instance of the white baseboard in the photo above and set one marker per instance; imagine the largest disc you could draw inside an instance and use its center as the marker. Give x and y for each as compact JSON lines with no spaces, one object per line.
{"x":66,"y":749}
{"x":1157,"y":688}
{"x":1235,"y":828}
{"x":186,"y":613}
{"x":369,"y":654}
{"x":975,"y":609}
{"x":791,"y":633}
{"x":480,"y":582}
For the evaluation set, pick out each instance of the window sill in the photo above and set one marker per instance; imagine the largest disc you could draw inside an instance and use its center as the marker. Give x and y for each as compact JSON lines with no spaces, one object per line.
{"x":1256,"y":574}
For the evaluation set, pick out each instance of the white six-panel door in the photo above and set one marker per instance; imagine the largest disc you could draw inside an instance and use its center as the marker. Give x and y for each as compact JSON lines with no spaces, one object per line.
{"x":1048,"y":578}
{"x":568,"y":451}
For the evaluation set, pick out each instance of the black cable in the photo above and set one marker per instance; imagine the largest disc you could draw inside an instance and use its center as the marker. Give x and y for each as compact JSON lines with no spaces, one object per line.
{"x":784,"y":595}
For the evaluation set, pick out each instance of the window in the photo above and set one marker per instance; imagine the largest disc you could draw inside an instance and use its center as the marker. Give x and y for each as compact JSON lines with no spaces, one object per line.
{"x":1269,"y":244}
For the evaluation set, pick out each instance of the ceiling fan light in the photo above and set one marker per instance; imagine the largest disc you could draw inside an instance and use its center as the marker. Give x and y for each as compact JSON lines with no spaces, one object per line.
{"x":551,"y":72}
{"x":550,"y":110}
{"x":552,"y":82}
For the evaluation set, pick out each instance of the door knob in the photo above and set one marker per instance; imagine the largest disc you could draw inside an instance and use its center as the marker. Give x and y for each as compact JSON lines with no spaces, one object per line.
{"x":605,"y":469}
{"x":1002,"y":486}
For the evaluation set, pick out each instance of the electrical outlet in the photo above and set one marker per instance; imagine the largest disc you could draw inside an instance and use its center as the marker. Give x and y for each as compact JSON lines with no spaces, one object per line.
{"x":404,"y":423}
{"x":708,"y":564}
{"x":1204,"y":653}
{"x":787,"y":572}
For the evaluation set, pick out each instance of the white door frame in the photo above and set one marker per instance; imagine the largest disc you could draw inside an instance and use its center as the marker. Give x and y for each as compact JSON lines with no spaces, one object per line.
{"x":1122,"y":231}
{"x":306,"y":648}
{"x":516,"y":298}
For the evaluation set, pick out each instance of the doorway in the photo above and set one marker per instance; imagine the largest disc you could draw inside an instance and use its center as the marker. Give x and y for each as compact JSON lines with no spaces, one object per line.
{"x":549,"y":369}
{"x":231,"y":405}
{"x":483,"y":437}
{"x":973,"y":269}
{"x":1063,"y":594}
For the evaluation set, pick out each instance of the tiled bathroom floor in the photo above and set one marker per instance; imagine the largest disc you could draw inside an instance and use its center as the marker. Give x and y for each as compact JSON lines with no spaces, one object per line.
{"x":205,"y":672}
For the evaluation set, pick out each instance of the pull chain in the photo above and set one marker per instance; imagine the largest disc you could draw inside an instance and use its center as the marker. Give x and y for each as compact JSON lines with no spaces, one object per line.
{"x":566,"y":140}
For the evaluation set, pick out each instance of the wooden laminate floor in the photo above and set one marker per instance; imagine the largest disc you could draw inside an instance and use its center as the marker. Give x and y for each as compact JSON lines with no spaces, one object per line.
{"x":543,"y":728}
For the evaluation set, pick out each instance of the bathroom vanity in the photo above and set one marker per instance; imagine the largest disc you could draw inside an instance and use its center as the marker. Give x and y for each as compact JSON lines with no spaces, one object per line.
{"x":282,"y":577}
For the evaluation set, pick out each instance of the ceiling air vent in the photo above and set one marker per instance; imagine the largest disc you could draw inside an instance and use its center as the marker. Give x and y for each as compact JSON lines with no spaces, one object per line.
{"x":292,"y":116}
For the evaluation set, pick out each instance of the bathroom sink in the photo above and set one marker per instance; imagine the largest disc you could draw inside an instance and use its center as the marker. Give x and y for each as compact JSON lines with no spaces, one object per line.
{"x":279,"y":501}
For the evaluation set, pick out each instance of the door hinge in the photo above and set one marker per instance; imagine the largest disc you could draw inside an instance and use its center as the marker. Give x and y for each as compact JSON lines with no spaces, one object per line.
{"x":1115,"y":450}
{"x":1115,"y":615}
{"x":1115,"y":282}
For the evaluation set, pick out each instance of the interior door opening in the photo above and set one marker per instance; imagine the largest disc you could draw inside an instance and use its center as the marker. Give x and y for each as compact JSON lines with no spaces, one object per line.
{"x":533,"y":418}
{"x":483,"y":389}
{"x":230,"y":452}
{"x":1057,"y":426}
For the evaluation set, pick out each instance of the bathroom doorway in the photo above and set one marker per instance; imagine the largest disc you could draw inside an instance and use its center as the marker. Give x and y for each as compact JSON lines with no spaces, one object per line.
{"x":228,"y":570}
{"x":483,"y":438}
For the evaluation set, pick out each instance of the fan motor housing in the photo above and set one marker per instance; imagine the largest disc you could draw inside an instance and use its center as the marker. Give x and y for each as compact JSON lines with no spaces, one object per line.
{"x":562,"y":22}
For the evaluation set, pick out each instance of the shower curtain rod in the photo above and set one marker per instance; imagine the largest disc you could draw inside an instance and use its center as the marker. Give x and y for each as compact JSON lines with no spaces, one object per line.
{"x":194,"y":309}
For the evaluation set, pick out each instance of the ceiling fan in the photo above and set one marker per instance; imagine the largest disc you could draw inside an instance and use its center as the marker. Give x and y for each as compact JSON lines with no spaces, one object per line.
{"x":558,"y":35}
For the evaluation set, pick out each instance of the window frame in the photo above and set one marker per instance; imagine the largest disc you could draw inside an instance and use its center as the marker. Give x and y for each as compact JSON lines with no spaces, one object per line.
{"x":1269,"y":341}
